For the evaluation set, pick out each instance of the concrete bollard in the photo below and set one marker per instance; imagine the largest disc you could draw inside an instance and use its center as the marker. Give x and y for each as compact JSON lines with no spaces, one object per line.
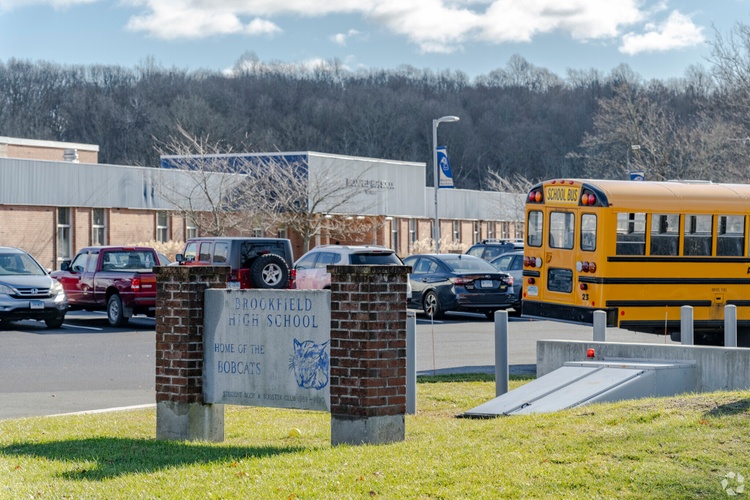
{"x":730,"y":326}
{"x":600,"y":326}
{"x":501,"y":353}
{"x":411,"y":363}
{"x":686,"y":325}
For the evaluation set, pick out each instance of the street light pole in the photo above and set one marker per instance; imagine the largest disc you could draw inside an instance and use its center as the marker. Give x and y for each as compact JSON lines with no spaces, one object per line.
{"x":436,"y":174}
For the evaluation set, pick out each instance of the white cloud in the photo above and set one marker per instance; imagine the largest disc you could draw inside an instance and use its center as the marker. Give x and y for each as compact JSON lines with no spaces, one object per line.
{"x":176,"y":19}
{"x":440,"y":26}
{"x":342,"y":38}
{"x":677,"y":32}
{"x":7,"y":5}
{"x":262,"y":27}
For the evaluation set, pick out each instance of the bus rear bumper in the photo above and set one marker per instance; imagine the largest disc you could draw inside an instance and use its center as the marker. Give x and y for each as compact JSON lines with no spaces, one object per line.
{"x":567,"y":313}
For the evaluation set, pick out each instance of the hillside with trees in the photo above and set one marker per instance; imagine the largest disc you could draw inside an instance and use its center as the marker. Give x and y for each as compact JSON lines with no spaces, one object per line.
{"x":519,"y":120}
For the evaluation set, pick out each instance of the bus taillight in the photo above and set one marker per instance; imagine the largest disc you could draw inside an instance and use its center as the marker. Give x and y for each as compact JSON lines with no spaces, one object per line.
{"x":535,"y":196}
{"x":586,"y":267}
{"x":588,"y":199}
{"x":532,"y":261}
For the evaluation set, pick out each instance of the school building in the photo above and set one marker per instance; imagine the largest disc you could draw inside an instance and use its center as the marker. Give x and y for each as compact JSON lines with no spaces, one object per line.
{"x":56,"y":198}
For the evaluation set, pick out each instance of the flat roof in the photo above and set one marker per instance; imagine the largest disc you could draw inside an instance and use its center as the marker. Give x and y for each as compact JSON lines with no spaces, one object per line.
{"x":48,"y":144}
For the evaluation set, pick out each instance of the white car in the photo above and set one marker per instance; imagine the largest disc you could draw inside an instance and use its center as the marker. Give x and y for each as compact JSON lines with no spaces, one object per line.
{"x":311,"y":267}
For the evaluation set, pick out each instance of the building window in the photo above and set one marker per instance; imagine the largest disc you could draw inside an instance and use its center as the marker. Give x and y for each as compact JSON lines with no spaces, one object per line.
{"x":191,"y":229}
{"x":257,"y":232}
{"x":456,"y":230}
{"x":491,"y":230}
{"x":162,"y":227}
{"x":477,"y":232}
{"x":412,"y":231}
{"x":505,"y":230}
{"x":394,"y":235}
{"x":98,"y":227}
{"x":64,"y":243}
{"x":281,"y":233}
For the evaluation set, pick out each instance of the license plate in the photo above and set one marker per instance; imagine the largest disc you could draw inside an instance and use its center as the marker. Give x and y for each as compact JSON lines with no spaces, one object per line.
{"x":532,"y":291}
{"x":36,"y":304}
{"x":485,"y":284}
{"x":234,"y":285}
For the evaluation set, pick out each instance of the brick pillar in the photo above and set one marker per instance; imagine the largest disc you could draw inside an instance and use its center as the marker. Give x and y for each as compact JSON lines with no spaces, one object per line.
{"x":180,"y":412}
{"x":368,"y":354}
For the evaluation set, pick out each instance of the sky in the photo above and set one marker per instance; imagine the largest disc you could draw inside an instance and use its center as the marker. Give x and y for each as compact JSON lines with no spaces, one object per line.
{"x":658,"y":39}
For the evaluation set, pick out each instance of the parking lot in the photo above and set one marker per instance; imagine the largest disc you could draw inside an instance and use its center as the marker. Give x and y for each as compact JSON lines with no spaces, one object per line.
{"x":88,"y":365}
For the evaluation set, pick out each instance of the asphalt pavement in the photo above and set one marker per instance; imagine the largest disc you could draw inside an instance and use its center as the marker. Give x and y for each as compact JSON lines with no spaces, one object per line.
{"x":89,"y":366}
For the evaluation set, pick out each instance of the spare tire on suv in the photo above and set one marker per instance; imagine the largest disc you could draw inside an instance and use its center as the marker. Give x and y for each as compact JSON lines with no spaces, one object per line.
{"x":269,"y":271}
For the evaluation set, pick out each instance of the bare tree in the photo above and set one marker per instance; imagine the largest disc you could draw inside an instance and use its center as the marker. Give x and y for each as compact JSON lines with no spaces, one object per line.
{"x":512,"y":206}
{"x":308,"y":198}
{"x":205,"y":185}
{"x":635,"y":131}
{"x":222,"y":193}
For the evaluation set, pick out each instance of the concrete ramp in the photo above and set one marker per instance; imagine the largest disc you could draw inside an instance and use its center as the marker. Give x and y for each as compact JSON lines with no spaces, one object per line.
{"x":579,"y":383}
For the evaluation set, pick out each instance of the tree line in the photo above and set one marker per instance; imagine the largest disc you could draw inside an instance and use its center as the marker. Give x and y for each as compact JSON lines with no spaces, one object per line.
{"x":518,"y":120}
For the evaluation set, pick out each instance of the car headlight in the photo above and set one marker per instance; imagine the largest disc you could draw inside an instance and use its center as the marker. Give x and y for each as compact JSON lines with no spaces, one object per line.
{"x":5,"y":289}
{"x":56,"y":288}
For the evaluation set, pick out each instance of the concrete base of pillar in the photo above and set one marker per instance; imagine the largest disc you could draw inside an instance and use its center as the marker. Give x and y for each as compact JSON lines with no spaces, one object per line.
{"x":367,"y":430}
{"x":189,"y":421}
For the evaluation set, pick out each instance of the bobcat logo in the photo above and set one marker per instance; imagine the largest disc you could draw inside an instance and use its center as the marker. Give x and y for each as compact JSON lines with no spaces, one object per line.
{"x":310,"y":363}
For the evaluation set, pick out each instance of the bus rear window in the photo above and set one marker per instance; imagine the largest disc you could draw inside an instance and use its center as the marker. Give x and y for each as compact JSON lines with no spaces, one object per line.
{"x":561,"y":230}
{"x":631,"y":233}
{"x":536,"y":227}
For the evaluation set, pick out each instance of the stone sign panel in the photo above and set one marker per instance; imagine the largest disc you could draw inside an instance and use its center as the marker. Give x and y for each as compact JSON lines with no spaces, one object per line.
{"x":267,"y":348}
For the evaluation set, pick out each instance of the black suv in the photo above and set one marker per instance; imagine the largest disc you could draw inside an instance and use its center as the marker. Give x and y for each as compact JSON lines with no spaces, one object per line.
{"x":255,"y":262}
{"x":489,"y":249}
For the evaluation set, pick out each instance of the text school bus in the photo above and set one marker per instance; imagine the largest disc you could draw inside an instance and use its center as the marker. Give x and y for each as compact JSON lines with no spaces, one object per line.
{"x":638,"y":251}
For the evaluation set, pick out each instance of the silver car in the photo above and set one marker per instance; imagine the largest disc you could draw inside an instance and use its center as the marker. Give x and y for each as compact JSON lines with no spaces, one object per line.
{"x":27,"y":291}
{"x":512,"y":263}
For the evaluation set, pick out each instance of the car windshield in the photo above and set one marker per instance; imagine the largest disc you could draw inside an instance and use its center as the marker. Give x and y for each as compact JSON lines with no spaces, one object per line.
{"x":468,"y":264}
{"x":375,"y":258}
{"x":19,"y":263}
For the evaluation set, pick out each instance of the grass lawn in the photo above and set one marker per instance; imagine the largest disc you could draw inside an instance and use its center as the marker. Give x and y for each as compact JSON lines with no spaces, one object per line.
{"x":680,"y":447}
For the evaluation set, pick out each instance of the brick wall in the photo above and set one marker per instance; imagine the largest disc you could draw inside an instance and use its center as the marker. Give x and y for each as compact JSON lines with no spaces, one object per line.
{"x":368,"y":340}
{"x":131,"y":226}
{"x":179,"y":330}
{"x":46,"y":153}
{"x":33,"y":229}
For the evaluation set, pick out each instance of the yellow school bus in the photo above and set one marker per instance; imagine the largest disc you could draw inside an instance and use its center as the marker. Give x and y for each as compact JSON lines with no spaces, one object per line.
{"x":638,"y":251}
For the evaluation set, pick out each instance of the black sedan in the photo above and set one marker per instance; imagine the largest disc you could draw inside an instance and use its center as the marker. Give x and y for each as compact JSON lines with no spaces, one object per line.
{"x":458,"y":282}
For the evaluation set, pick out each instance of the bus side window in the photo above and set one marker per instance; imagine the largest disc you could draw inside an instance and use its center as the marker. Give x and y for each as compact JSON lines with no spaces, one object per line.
{"x":698,"y":234}
{"x":631,"y":234}
{"x":731,"y":237}
{"x":665,"y":234}
{"x":588,"y":232}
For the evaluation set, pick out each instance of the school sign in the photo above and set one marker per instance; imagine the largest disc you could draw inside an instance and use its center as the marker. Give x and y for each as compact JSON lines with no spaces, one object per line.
{"x":267,"y":348}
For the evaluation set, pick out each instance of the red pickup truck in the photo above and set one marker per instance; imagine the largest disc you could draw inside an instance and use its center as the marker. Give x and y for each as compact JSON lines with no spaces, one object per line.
{"x":119,"y":280}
